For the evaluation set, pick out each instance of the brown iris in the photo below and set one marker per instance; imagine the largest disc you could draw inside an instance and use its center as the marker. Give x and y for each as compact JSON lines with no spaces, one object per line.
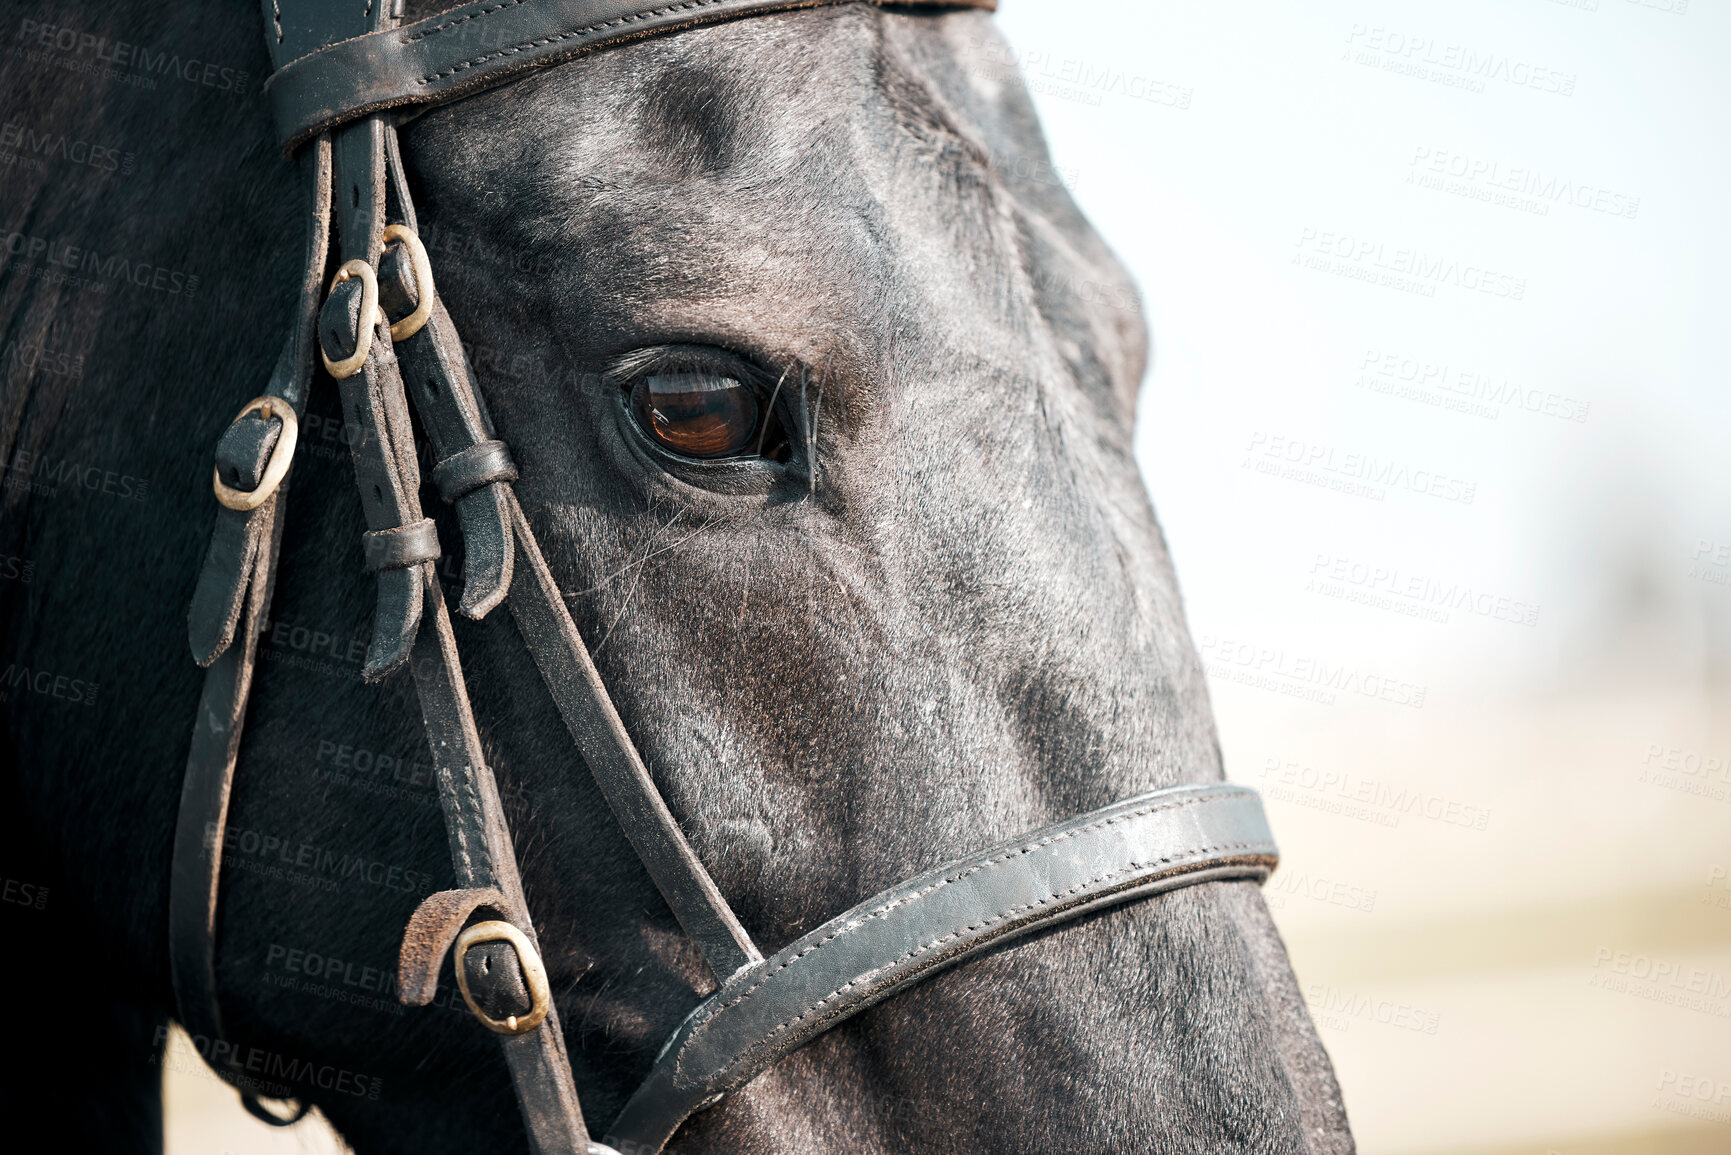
{"x":697,"y":414}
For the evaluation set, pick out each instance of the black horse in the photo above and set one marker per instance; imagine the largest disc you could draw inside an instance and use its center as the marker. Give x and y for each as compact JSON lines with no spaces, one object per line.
{"x":933,"y":609}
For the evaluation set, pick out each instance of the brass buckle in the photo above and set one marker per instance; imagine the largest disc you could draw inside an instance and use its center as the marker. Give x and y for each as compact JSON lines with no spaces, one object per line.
{"x":281,"y":456}
{"x":410,"y":325}
{"x":351,"y":364}
{"x":534,"y":976}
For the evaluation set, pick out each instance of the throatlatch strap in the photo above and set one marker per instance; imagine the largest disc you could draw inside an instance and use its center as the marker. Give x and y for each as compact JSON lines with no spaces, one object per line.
{"x":1140,"y":846}
{"x":197,"y":856}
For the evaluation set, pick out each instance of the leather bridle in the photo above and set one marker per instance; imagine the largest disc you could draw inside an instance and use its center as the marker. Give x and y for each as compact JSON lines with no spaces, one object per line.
{"x":345,"y":70}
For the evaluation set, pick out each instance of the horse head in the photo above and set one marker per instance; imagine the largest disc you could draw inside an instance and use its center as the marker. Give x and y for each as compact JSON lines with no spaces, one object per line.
{"x":822,"y":394}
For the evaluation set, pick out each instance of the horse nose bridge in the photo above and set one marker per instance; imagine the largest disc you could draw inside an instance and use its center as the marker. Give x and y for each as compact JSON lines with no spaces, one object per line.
{"x":1091,"y":668}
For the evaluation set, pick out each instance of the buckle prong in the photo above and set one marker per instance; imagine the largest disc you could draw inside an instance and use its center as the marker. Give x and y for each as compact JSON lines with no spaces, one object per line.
{"x":351,"y":364}
{"x":281,"y":456}
{"x":534,"y":976}
{"x":407,"y":327}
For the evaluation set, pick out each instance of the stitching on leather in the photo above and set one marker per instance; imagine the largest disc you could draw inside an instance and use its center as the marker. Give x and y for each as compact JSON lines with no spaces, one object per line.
{"x":455,"y":786}
{"x":688,"y":6}
{"x":1000,"y":917}
{"x":976,"y":868}
{"x":476,"y":15}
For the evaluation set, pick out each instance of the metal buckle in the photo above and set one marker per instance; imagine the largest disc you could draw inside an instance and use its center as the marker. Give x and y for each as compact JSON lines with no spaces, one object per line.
{"x":410,"y":325}
{"x":281,"y":456}
{"x":534,"y":976}
{"x":351,"y":364}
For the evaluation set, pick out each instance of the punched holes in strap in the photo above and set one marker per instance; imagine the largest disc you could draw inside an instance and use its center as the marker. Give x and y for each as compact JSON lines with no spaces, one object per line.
{"x":402,"y":547}
{"x":469,"y":469}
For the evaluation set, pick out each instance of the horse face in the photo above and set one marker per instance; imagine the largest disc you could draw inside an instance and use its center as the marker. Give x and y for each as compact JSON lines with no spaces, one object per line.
{"x":822,"y":391}
{"x":823,"y":400}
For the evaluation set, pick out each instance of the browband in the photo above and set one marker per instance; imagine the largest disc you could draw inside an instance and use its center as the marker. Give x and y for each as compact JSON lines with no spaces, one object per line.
{"x":467,"y":49}
{"x":1131,"y":849}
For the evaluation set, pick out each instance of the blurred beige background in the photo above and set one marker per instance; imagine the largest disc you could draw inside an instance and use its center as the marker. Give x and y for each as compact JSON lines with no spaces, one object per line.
{"x":1436,"y":426}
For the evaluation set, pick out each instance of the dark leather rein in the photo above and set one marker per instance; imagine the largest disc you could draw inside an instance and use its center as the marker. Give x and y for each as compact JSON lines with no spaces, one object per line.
{"x":343,"y":69}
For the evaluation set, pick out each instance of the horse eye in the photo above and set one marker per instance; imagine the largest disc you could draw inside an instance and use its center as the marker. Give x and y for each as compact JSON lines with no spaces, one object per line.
{"x":697,"y":414}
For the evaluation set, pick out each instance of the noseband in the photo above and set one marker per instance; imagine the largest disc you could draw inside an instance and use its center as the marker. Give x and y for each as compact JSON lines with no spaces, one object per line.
{"x":345,"y":72}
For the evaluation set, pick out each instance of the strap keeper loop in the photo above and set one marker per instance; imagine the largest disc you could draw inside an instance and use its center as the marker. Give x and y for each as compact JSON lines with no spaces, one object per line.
{"x":402,"y":547}
{"x":469,"y":469}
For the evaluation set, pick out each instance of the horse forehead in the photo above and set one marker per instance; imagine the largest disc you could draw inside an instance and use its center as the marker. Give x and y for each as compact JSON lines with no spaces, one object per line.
{"x":795,"y":183}
{"x":732,"y":98}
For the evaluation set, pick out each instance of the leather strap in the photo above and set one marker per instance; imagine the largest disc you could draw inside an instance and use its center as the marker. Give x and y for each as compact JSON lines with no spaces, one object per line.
{"x":478,"y":46}
{"x":375,"y":414}
{"x":455,"y":417}
{"x":1141,"y":846}
{"x":484,"y":860}
{"x":411,"y":605}
{"x":387,"y":473}
{"x":432,"y":930}
{"x":469,"y":469}
{"x":402,"y":547}
{"x":577,"y":689}
{"x":241,"y":565}
{"x":220,"y":597}
{"x":250,"y":571}
{"x":475,"y":470}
